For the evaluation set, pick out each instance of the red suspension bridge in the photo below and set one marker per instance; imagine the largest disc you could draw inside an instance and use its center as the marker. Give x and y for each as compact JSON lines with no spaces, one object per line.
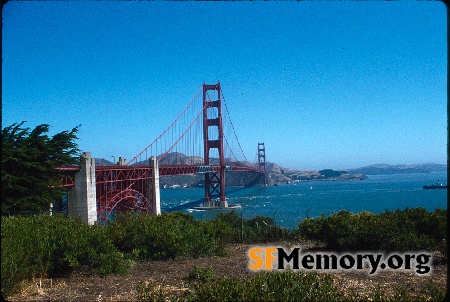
{"x":197,"y":141}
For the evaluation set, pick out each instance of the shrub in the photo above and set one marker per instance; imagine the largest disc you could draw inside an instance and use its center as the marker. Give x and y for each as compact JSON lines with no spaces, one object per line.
{"x":232,"y":229}
{"x":46,"y":246}
{"x":279,"y":286}
{"x":311,"y":228}
{"x":269,"y":286}
{"x":220,"y":231}
{"x":151,"y":292}
{"x":200,"y":273}
{"x":163,"y":237}
{"x":399,"y":230}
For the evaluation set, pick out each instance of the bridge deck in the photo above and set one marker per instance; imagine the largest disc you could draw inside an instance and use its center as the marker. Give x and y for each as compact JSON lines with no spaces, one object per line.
{"x":107,"y":174}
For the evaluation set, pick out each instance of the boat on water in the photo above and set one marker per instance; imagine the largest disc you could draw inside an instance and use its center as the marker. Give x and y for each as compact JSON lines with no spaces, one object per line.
{"x":438,"y":185}
{"x":216,"y":207}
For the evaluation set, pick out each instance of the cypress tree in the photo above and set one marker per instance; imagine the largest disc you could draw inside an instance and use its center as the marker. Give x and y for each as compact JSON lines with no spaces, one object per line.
{"x":30,"y":181}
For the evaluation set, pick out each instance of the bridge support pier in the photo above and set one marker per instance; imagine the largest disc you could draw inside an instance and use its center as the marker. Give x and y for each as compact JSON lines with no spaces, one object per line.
{"x":82,"y":201}
{"x":154,"y":187}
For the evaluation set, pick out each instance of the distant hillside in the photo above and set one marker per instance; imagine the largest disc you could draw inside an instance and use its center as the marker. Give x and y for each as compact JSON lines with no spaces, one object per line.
{"x":381,"y":169}
{"x":326,"y":174}
{"x":103,"y":162}
{"x":275,"y":174}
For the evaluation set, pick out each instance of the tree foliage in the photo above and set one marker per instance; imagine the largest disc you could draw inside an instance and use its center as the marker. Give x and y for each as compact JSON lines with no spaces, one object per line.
{"x":329,"y":173}
{"x":29,"y":157}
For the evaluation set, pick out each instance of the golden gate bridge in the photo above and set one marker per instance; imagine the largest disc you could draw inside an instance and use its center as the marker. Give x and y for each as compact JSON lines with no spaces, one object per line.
{"x":195,"y":142}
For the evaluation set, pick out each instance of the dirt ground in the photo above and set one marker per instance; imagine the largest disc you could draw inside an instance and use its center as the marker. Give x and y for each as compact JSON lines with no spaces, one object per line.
{"x":170,"y":275}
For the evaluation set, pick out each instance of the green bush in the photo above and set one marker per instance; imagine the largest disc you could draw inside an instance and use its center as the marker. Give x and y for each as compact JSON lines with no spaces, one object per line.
{"x":269,"y":286}
{"x":200,"y":273}
{"x":281,"y":286}
{"x":399,"y":230}
{"x":162,"y":237}
{"x":220,"y":231}
{"x":45,"y":246}
{"x":230,"y":228}
{"x":311,"y":228}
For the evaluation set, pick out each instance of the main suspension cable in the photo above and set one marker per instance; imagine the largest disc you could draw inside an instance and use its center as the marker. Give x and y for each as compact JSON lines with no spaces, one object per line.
{"x":155,"y":141}
{"x":232,"y":126}
{"x":195,"y":120}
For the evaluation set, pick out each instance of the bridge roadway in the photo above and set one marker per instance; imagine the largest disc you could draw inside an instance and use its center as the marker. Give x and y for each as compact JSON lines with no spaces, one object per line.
{"x":105,"y":174}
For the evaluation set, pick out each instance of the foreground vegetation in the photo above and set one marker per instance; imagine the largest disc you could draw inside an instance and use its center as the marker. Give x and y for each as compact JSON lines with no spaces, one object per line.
{"x":399,"y":230}
{"x":277,"y":286}
{"x":49,"y":246}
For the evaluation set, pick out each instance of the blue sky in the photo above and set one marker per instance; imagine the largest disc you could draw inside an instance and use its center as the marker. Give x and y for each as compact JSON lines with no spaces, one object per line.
{"x":323,"y":84}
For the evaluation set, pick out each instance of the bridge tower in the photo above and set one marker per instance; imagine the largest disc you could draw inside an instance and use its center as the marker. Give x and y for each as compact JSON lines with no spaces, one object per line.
{"x":214,"y":180}
{"x":262,"y":160}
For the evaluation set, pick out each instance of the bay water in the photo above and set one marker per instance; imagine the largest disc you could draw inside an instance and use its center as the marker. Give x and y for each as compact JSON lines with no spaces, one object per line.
{"x":289,"y":204}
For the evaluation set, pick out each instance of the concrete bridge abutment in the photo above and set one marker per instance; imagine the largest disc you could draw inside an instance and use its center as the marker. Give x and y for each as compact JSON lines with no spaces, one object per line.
{"x":154,"y":187}
{"x":82,"y":201}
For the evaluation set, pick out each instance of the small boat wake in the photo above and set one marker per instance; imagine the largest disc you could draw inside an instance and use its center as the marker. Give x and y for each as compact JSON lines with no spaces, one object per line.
{"x":230,"y":207}
{"x":184,"y":206}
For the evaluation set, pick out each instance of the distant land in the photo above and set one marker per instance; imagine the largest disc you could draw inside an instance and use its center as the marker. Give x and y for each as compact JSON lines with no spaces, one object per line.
{"x":381,"y":169}
{"x":277,"y":174}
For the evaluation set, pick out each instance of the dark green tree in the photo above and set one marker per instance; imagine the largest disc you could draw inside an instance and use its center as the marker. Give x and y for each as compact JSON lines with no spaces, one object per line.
{"x":30,"y":181}
{"x":329,"y":173}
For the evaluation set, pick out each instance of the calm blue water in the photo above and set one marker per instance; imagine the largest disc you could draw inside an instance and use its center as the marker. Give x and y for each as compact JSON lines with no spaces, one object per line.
{"x":294,"y":202}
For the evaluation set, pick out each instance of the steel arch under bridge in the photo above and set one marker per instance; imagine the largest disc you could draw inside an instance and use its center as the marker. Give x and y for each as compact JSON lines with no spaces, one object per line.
{"x":129,"y":188}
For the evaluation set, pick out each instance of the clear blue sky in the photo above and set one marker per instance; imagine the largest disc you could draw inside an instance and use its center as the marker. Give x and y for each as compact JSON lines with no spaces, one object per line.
{"x":323,"y":84}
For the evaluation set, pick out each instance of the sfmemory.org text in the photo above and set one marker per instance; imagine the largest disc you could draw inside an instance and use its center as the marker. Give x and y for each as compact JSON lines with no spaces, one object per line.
{"x":270,"y":258}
